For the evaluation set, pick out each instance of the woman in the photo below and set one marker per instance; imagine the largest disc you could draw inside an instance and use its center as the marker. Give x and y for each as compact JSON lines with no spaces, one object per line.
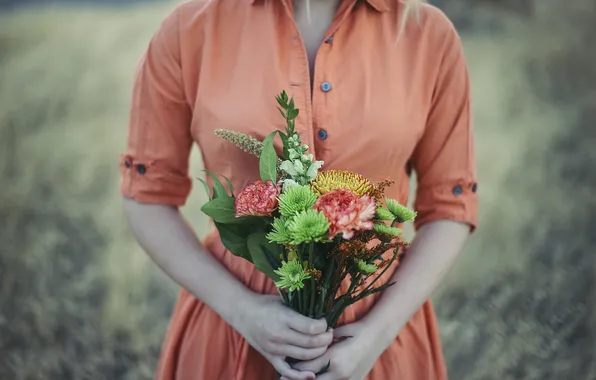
{"x":386,"y":96}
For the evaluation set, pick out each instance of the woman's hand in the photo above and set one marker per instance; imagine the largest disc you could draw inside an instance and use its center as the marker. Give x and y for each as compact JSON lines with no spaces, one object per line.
{"x":351,"y":358}
{"x":277,"y":332}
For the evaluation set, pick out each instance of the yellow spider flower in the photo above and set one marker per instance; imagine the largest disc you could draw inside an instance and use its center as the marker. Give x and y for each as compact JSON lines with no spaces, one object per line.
{"x":330,"y":180}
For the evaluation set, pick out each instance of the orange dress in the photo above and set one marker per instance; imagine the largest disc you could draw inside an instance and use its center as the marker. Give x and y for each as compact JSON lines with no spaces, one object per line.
{"x":379,"y":106}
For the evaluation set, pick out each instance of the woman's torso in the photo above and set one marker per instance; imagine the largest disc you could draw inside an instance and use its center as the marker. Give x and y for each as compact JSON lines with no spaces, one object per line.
{"x":370,"y":94}
{"x":366,"y":111}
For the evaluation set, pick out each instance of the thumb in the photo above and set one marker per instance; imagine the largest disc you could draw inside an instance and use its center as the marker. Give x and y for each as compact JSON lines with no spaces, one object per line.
{"x":344,"y":332}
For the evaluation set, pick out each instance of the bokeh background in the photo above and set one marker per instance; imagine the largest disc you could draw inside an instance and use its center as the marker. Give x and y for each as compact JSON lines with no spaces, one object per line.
{"x":80,"y":300}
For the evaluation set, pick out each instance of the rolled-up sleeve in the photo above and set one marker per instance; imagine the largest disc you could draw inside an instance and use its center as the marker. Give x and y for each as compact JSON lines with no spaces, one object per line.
{"x":154,"y":168}
{"x":444,"y":158}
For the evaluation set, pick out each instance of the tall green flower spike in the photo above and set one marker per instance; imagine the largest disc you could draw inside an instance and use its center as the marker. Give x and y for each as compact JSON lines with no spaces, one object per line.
{"x":384,"y":214}
{"x":296,"y":199}
{"x":402,"y":213}
{"x":280,"y":233}
{"x":243,"y":141}
{"x":308,"y":226}
{"x":364,"y":267}
{"x":291,"y":275}
{"x":387,"y":230}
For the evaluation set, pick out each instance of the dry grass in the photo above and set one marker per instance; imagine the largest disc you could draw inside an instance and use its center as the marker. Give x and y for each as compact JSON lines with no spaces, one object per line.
{"x":79,"y":300}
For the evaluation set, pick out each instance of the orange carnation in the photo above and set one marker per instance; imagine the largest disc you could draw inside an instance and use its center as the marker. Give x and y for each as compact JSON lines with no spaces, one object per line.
{"x":257,"y":199}
{"x":347,"y":212}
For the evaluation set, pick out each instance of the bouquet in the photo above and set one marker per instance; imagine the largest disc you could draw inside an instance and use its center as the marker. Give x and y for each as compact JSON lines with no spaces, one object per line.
{"x":309,"y":230}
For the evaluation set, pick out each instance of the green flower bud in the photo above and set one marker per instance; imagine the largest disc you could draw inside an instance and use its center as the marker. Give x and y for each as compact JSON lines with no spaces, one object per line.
{"x":296,"y":199}
{"x":365,"y":267}
{"x":387,"y":230}
{"x":402,"y":213}
{"x":308,"y":226}
{"x":280,"y":233}
{"x":291,"y":275}
{"x":384,"y":214}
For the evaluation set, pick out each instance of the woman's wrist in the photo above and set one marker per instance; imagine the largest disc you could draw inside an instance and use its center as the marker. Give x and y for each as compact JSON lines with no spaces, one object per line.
{"x":237,"y":308}
{"x":381,"y":325}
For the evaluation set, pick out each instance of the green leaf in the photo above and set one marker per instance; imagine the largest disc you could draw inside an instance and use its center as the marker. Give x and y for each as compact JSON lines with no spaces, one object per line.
{"x":221,"y":210}
{"x":268,"y":160}
{"x":283,"y":114}
{"x":283,"y":103}
{"x":233,"y":237}
{"x":264,"y":254}
{"x":218,"y":189}
{"x":291,"y":105}
{"x":207,"y":189}
{"x":292,"y":114}
{"x":230,"y":186}
{"x":284,"y":140}
{"x":377,"y":289}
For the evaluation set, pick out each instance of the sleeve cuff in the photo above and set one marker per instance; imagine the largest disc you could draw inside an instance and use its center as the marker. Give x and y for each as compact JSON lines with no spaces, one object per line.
{"x":146,"y":182}
{"x":456,"y":201}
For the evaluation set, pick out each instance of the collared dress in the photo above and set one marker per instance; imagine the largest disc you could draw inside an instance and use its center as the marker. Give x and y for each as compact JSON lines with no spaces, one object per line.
{"x":380,"y":106}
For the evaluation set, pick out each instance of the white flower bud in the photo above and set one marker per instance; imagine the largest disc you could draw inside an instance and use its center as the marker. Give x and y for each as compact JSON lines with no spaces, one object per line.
{"x":298,"y":167}
{"x":294,"y":154}
{"x":288,"y":167}
{"x":313,"y":170}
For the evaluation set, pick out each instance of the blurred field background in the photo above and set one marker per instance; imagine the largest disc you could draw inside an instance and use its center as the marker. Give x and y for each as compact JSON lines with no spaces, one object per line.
{"x":79,"y":299}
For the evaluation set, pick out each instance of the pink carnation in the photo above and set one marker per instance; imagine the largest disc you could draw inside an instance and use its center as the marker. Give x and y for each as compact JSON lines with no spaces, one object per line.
{"x":257,"y":199}
{"x":347,"y":212}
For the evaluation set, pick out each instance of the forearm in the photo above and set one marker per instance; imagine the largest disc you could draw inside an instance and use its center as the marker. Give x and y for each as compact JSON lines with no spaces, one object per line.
{"x":167,"y":238}
{"x":431,"y":255}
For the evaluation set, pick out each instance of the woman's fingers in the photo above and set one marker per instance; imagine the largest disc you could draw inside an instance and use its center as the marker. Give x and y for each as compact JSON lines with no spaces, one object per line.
{"x":298,"y":353}
{"x":295,"y":338}
{"x":307,"y":325}
{"x":346,"y":331}
{"x":315,"y":365}
{"x":288,"y":373}
{"x":329,"y":376}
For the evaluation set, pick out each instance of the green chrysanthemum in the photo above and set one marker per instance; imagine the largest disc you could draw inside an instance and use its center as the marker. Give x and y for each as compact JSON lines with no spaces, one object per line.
{"x":365,"y":267}
{"x":308,"y":226}
{"x":296,"y":199}
{"x":401,"y":212}
{"x":280,"y":233}
{"x":387,"y":230}
{"x":384,"y":214}
{"x":291,"y":275}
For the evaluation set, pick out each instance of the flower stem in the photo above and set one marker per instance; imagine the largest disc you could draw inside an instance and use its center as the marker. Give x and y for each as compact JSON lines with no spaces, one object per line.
{"x":300,"y":307}
{"x":313,"y":281}
{"x":326,"y":282}
{"x":284,"y":297}
{"x":395,"y":254}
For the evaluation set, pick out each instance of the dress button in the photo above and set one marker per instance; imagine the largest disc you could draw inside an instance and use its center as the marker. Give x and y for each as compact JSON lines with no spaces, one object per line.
{"x":326,"y":86}
{"x":474,"y":187}
{"x":322,"y":134}
{"x":127,"y":163}
{"x":141,"y":169}
{"x":457,"y":190}
{"x":329,"y":40}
